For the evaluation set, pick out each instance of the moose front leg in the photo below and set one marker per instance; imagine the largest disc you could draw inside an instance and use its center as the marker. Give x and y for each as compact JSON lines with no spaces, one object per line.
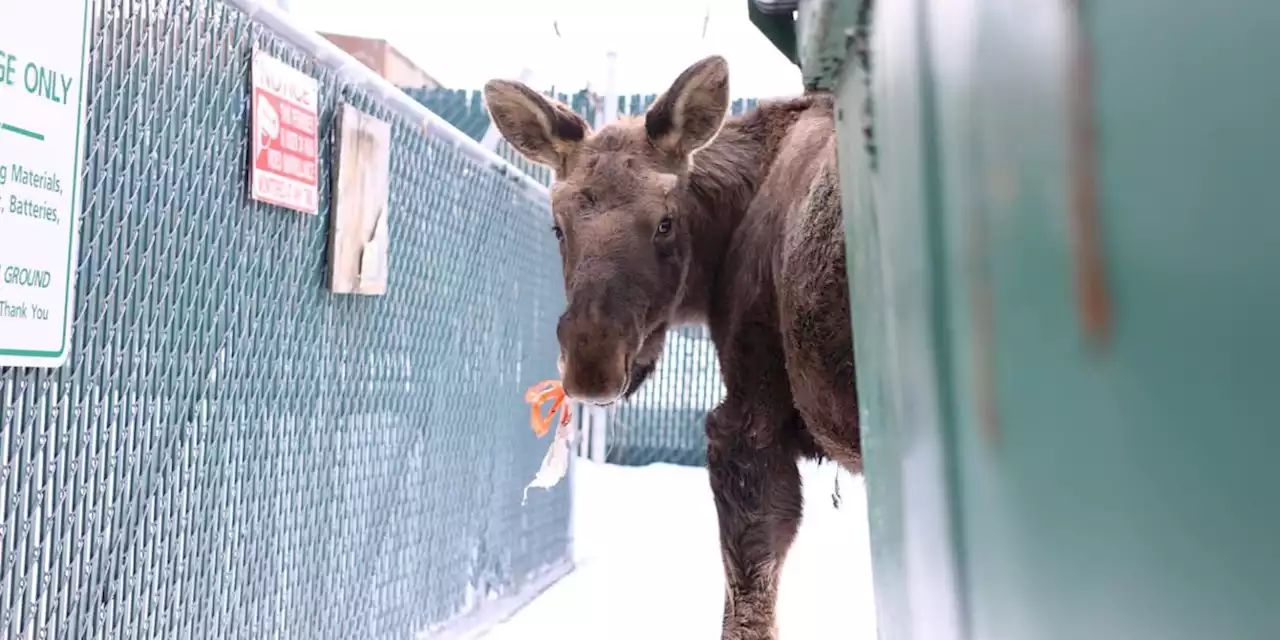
{"x":758,"y":499}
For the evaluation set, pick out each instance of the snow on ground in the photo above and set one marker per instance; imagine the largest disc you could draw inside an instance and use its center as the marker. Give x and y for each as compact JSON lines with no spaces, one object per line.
{"x":648,"y":562}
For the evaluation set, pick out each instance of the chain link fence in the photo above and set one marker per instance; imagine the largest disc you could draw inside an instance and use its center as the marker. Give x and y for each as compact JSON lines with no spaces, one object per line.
{"x":233,"y":452}
{"x":665,"y":421}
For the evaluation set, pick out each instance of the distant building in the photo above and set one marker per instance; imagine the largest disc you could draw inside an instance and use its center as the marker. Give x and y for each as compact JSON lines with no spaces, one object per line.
{"x":385,"y":60}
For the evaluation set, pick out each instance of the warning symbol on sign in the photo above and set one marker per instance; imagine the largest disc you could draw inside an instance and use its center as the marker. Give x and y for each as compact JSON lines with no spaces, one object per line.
{"x":285,"y":162}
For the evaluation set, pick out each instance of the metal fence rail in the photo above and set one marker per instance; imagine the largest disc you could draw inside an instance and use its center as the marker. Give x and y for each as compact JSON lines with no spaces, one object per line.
{"x":233,"y":452}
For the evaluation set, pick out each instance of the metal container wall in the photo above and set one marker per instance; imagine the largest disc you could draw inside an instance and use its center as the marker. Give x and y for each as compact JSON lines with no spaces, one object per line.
{"x":1064,"y":227}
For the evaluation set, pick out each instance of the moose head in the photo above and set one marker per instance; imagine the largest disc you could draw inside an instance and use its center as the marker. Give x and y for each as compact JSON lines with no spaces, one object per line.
{"x":625,"y":217}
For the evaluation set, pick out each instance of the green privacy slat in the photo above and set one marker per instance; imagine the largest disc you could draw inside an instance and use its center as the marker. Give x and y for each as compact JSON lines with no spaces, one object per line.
{"x":233,"y":452}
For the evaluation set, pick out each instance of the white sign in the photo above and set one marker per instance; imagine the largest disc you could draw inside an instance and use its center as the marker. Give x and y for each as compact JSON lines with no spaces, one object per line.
{"x":284,"y":162}
{"x":42,"y":69}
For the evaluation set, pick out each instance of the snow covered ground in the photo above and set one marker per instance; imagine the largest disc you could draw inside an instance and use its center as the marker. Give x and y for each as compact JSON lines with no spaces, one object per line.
{"x":648,"y":562}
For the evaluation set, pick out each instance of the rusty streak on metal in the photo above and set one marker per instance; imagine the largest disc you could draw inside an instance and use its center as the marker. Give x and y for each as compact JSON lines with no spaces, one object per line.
{"x":1092,"y":301}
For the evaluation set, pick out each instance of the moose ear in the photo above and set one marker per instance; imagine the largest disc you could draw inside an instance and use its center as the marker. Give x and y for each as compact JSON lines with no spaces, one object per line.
{"x":688,"y":116}
{"x":543,"y":131}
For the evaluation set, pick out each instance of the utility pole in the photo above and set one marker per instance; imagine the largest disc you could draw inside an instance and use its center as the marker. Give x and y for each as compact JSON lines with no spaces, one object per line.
{"x":611,"y":87}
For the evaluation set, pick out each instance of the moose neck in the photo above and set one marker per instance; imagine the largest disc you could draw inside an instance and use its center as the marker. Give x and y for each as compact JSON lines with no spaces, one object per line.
{"x":721,"y":186}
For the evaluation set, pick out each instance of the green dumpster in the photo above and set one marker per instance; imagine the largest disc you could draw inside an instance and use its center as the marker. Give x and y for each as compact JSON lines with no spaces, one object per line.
{"x":1063,"y":221}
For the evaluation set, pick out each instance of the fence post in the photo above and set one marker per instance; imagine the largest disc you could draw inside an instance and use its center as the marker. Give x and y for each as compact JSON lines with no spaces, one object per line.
{"x":611,"y":87}
{"x":583,"y":428}
{"x":599,"y":428}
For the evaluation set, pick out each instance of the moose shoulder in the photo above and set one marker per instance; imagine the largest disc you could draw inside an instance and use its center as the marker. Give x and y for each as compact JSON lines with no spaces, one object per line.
{"x":686,"y":216}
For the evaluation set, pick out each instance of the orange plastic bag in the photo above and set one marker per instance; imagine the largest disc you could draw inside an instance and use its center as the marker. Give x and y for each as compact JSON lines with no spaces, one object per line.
{"x":555,"y":465}
{"x":538,"y":395}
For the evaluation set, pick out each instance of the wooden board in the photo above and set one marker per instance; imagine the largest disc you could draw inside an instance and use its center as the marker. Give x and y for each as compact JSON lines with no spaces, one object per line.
{"x":358,"y":232}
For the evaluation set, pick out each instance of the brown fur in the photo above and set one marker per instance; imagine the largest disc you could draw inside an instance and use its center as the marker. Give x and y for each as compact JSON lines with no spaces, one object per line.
{"x":752,"y":246}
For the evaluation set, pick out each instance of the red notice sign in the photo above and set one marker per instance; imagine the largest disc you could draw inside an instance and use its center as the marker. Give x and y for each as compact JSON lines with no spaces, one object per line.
{"x":284,"y":162}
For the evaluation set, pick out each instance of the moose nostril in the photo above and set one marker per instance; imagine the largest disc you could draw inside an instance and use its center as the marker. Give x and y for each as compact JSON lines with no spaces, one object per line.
{"x":562,"y":330}
{"x":596,"y":340}
{"x":595,"y":372}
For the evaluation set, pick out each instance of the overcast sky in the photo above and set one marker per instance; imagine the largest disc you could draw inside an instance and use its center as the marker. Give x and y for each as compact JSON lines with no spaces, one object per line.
{"x":463,"y":43}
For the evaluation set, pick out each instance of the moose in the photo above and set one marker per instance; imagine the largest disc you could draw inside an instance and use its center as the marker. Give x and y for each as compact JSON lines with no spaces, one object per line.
{"x":683,"y":216}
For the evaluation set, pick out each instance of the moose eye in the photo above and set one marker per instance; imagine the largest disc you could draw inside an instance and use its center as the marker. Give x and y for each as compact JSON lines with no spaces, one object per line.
{"x":558,"y":231}
{"x":664,"y":226}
